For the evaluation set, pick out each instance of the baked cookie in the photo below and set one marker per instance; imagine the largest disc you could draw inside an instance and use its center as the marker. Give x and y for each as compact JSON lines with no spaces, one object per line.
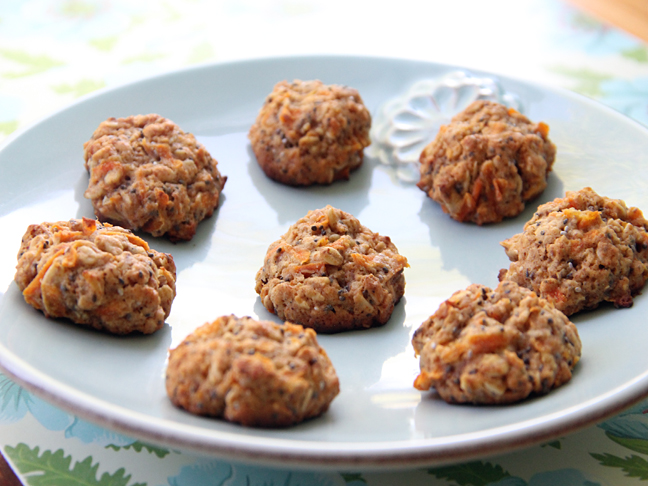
{"x":331,"y":273}
{"x":581,"y":250}
{"x":97,"y":275}
{"x":487,"y":163}
{"x":310,"y":133}
{"x":256,"y":373}
{"x":497,"y":346}
{"x":147,"y":174}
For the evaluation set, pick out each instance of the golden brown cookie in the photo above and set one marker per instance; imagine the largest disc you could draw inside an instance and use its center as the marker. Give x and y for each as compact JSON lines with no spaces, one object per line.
{"x":331,"y":273}
{"x":95,"y":274}
{"x":256,"y":373}
{"x":487,"y":163}
{"x":581,"y":250}
{"x":497,"y":346}
{"x":310,"y":133}
{"x":147,"y":174}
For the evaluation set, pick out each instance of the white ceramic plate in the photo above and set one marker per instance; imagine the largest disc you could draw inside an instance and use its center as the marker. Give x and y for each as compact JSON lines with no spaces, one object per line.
{"x":379,"y":419}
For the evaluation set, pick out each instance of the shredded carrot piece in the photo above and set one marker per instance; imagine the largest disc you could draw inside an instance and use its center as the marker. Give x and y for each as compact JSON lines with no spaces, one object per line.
{"x":360,"y":259}
{"x":498,"y":184}
{"x":555,"y":296}
{"x":477,"y":189}
{"x":588,"y":220}
{"x":487,"y":343}
{"x":543,"y":128}
{"x":89,"y":226}
{"x":34,"y":286}
{"x":302,"y":255}
{"x":102,"y":169}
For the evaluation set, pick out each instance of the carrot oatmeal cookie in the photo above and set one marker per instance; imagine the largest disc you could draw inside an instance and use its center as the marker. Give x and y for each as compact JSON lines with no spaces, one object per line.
{"x":487,"y":163}
{"x":256,"y":373}
{"x":581,"y":250}
{"x":95,"y":274}
{"x":147,"y":174}
{"x":331,"y":273}
{"x":310,"y":133}
{"x":497,"y":346}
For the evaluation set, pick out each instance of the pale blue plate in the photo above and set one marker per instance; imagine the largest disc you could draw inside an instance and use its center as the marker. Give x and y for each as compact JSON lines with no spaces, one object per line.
{"x":379,"y":419}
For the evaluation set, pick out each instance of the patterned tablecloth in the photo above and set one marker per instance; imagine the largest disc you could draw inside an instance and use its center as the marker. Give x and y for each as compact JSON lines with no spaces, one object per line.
{"x":55,"y":51}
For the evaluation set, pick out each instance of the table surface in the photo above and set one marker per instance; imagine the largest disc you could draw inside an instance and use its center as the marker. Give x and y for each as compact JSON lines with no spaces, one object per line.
{"x":53,"y":52}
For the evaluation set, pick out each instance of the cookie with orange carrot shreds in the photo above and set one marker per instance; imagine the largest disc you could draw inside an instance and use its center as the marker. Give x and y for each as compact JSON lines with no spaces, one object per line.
{"x":147,"y":174}
{"x":331,"y":273}
{"x":487,"y":163}
{"x":308,"y":132}
{"x":581,"y":250}
{"x":97,"y":275}
{"x":261,"y":373}
{"x":495,"y":346}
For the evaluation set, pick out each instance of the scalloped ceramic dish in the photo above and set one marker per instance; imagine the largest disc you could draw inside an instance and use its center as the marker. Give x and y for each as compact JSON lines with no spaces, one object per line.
{"x":379,"y":420}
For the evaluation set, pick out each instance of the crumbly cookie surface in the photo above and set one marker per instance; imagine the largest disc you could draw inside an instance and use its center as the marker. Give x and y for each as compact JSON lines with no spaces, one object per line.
{"x":581,"y":250}
{"x":95,"y":274}
{"x":147,"y":174}
{"x":331,"y":273}
{"x":487,"y":163}
{"x":256,"y":373}
{"x":310,"y":133}
{"x":497,"y":346}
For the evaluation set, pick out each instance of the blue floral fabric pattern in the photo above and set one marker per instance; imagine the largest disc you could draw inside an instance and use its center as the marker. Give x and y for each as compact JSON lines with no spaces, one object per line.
{"x":630,"y":424}
{"x":17,"y":402}
{"x":219,"y":473}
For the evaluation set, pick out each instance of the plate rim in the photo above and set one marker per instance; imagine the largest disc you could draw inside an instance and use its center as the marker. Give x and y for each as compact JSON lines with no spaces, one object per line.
{"x":383,"y":455}
{"x":104,"y":91}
